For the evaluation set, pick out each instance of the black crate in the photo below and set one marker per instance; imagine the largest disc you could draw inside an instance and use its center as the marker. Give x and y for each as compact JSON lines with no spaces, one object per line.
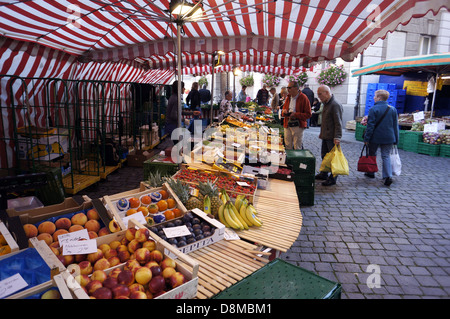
{"x":302,"y":161}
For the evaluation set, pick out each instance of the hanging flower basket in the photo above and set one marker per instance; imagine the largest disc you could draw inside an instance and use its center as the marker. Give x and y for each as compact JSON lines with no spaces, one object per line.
{"x":271,"y":80}
{"x":301,"y":78}
{"x":247,"y":81}
{"x":202,"y":81}
{"x":332,"y":76}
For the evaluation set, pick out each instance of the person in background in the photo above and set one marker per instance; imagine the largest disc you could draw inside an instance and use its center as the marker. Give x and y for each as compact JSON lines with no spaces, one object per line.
{"x":283,"y":95}
{"x":242,"y":96}
{"x":262,"y":97}
{"x":275,"y":103}
{"x":310,"y":94}
{"x":331,"y":128}
{"x":384,"y":135}
{"x":225,"y":107}
{"x":316,"y":117}
{"x":296,"y":111}
{"x":205,"y":94}
{"x":193,"y":101}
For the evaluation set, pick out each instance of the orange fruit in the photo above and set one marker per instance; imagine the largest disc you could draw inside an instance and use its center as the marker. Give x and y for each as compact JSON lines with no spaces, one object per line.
{"x":169,"y":214}
{"x":164,"y":194}
{"x":144,"y":210}
{"x":131,"y":211}
{"x":170,"y":203}
{"x":134,"y":202}
{"x":146,"y":200}
{"x":177,"y":212}
{"x":162,"y":205}
{"x":153,"y":208}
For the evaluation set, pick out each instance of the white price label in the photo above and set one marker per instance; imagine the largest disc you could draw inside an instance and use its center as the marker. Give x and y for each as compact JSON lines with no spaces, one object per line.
{"x":138,"y":216}
{"x":243,"y":184}
{"x":73,"y":237}
{"x":11,"y":284}
{"x":418,"y":116}
{"x":172,"y":232}
{"x":80,"y":247}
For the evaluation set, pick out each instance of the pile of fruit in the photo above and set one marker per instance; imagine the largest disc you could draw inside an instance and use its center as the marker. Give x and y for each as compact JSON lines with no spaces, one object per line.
{"x":146,"y":273}
{"x":445,"y":136}
{"x":432,"y":138}
{"x":194,"y":176}
{"x":197,"y":226}
{"x":229,"y":184}
{"x":239,"y":215}
{"x":49,"y":231}
{"x":4,"y":247}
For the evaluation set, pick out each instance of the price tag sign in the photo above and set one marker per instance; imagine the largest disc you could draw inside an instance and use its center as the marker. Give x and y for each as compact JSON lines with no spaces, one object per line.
{"x":138,"y":216}
{"x":178,"y":231}
{"x":11,"y":284}
{"x":430,"y":128}
{"x":243,"y":184}
{"x":80,"y":247}
{"x":73,"y":237}
{"x":418,"y":116}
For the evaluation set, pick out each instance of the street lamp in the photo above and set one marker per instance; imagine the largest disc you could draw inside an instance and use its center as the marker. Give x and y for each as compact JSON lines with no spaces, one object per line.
{"x":183,"y":11}
{"x":236,"y":72}
{"x":215,"y":65}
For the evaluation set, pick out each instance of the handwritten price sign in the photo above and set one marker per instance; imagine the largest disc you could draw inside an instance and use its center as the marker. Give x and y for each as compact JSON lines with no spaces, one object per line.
{"x":80,"y":247}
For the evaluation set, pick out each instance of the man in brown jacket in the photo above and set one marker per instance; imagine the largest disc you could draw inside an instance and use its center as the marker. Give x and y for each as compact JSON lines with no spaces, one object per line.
{"x":296,"y":111}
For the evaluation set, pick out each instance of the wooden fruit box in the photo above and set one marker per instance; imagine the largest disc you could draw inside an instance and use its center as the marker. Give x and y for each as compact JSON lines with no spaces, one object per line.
{"x":58,"y":282}
{"x":9,"y":239}
{"x":185,"y":264}
{"x":230,"y":184}
{"x":120,"y":216}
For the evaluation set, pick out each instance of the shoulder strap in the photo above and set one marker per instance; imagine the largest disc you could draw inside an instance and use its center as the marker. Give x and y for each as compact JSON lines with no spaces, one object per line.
{"x":381,"y":118}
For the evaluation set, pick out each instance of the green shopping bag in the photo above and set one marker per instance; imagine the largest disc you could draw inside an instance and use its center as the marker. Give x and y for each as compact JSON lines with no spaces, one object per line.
{"x":339,"y":164}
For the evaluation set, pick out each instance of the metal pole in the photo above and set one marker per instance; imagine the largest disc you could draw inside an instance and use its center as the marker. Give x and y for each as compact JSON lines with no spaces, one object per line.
{"x":179,"y":72}
{"x":212,"y":90}
{"x":434,"y":95}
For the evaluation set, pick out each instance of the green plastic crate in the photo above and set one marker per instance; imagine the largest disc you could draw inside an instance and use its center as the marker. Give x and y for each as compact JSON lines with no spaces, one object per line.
{"x":282,"y":280}
{"x":307,"y":180}
{"x":428,"y":149}
{"x":305,"y":195}
{"x":359,"y":131}
{"x":302,"y":161}
{"x":401,"y":139}
{"x":159,"y":163}
{"x":411,"y":140}
{"x":444,"y":150}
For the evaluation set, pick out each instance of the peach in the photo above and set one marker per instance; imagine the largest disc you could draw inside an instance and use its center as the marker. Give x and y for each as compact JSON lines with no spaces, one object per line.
{"x":85,"y":267}
{"x":143,"y":275}
{"x":110,"y":253}
{"x":51,"y":294}
{"x":110,"y":282}
{"x":92,"y":234}
{"x":168,"y":272}
{"x":132,"y":264}
{"x":47,"y":227}
{"x":150,"y":245}
{"x":114,"y":244}
{"x":45,"y":237}
{"x":156,"y":284}
{"x":138,"y":295}
{"x":102,"y":293}
{"x":57,"y":233}
{"x":99,"y":275}
{"x":104,"y":248}
{"x":79,"y":219}
{"x":142,"y":234}
{"x":67,"y":259}
{"x":115,"y":273}
{"x":30,"y":230}
{"x":92,"y":214}
{"x":156,"y":270}
{"x":177,"y":279}
{"x":124,"y":256}
{"x":92,"y":225}
{"x":79,"y":258}
{"x":102,"y":264}
{"x":150,"y":264}
{"x":63,"y":223}
{"x":114,"y":261}
{"x":168,"y":262}
{"x":113,"y":226}
{"x":74,"y":228}
{"x":134,"y":245}
{"x":55,"y":250}
{"x":83,"y":280}
{"x":136,"y":287}
{"x":124,"y":241}
{"x":156,"y":255}
{"x":103,"y":231}
{"x":93,"y":257}
{"x":142,"y":255}
{"x":130,"y":234}
{"x":121,"y":290}
{"x":92,"y":286}
{"x":121,"y":248}
{"x":126,"y":277}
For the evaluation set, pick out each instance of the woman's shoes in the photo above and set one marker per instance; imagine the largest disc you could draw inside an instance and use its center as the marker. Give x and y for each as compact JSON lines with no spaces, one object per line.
{"x":370,"y":175}
{"x":388,"y":181}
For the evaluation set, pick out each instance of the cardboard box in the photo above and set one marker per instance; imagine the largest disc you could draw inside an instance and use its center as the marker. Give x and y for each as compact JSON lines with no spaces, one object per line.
{"x":43,"y":144}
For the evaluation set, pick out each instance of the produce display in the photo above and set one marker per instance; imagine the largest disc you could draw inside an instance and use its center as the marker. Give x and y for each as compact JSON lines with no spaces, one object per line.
{"x":230,"y":184}
{"x":432,"y":138}
{"x":49,"y":230}
{"x":194,"y":176}
{"x":4,"y":247}
{"x":239,"y":215}
{"x":445,"y":137}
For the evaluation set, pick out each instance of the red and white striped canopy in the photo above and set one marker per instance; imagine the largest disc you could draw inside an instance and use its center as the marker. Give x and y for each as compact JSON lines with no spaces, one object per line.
{"x":284,"y":33}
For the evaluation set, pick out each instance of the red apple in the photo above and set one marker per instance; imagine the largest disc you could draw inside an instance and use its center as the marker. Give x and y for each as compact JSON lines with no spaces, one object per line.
{"x":142,"y":255}
{"x":138,"y":295}
{"x":168,"y":262}
{"x":156,"y":255}
{"x":126,"y":277}
{"x":99,"y":275}
{"x":110,"y":282}
{"x":102,"y":293}
{"x":142,"y":234}
{"x":177,"y":279}
{"x":156,"y":284}
{"x":143,"y":275}
{"x":121,"y":290}
{"x":92,"y":286}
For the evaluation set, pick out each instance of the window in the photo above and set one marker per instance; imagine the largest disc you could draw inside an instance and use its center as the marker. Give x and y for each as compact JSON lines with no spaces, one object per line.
{"x":424,"y":45}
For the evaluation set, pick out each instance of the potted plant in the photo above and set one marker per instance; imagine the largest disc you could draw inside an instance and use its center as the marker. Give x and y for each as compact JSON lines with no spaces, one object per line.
{"x":332,"y":76}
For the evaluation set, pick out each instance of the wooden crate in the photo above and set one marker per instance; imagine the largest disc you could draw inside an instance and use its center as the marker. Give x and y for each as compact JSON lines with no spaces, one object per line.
{"x":185,"y":264}
{"x":57,"y":282}
{"x":8,"y":238}
{"x":110,"y":202}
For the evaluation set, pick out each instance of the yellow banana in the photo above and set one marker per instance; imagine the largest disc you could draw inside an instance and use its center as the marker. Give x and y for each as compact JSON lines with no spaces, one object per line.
{"x":207,"y":205}
{"x":238,"y":216}
{"x":238,"y":201}
{"x":222,"y":217}
{"x":244,"y":216}
{"x":251,"y":216}
{"x":234,"y":217}
{"x":253,"y":209}
{"x":229,"y":219}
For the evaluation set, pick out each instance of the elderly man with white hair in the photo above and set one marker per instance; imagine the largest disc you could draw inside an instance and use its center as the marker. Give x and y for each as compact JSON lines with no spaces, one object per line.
{"x":331,"y":128}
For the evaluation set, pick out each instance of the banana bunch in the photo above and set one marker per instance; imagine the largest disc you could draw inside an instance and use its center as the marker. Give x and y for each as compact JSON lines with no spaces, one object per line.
{"x":241,"y":218}
{"x":224,"y":196}
{"x":207,"y":204}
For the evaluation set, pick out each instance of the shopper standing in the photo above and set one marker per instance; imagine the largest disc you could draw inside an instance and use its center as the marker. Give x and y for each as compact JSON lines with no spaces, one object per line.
{"x":296,"y":111}
{"x":262,"y":97}
{"x":383,"y":135}
{"x":331,"y":128}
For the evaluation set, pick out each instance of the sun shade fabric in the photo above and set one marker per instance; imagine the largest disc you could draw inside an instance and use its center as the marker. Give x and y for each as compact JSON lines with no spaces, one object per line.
{"x":104,"y":30}
{"x":437,"y":63}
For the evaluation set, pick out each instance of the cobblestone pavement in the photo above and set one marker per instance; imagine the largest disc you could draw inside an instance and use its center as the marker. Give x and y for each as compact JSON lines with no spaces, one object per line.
{"x":359,"y":228}
{"x":403,"y":231}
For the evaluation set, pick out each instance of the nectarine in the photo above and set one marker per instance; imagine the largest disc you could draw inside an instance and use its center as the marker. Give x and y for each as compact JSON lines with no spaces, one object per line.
{"x":92,"y":225}
{"x":46,"y":227}
{"x":45,"y":237}
{"x":79,"y":219}
{"x":143,"y":275}
{"x":63,"y":223}
{"x":30,"y":230}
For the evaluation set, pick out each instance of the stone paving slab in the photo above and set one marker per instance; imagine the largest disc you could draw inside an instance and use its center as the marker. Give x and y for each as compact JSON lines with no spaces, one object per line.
{"x":360,"y":230}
